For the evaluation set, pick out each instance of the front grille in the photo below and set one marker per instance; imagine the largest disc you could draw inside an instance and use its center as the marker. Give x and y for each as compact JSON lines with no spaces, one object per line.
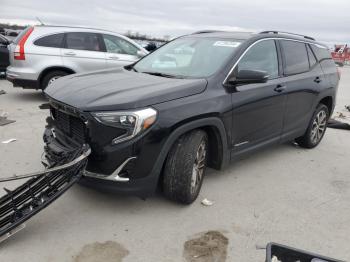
{"x":70,"y":125}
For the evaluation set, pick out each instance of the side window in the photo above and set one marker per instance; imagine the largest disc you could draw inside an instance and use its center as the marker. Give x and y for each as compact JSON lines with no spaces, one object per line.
{"x":83,"y":41}
{"x":296,"y":58}
{"x":262,"y":56}
{"x":55,"y":40}
{"x":312,"y":59}
{"x":321,"y":52}
{"x":118,"y":45}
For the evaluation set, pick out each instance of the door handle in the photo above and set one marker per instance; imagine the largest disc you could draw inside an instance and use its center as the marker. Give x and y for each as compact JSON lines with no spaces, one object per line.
{"x":70,"y":53}
{"x":114,"y":57}
{"x":280,"y":88}
{"x":318,"y":80}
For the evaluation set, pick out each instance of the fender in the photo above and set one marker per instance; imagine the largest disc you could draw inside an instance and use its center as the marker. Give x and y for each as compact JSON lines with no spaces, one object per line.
{"x":204,"y":122}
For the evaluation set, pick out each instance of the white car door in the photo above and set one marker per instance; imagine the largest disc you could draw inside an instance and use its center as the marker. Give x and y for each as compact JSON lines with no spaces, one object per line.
{"x":83,"y":52}
{"x":120,"y":52}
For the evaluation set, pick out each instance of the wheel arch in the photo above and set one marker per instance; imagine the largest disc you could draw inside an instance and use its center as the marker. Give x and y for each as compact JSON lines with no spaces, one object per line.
{"x":328,"y":101}
{"x":54,"y":68}
{"x":219,"y":156}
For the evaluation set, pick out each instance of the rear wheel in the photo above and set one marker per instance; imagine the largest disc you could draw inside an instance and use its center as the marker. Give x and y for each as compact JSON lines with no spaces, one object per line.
{"x":185,"y":167}
{"x":316,"y":129}
{"x":51,"y":77}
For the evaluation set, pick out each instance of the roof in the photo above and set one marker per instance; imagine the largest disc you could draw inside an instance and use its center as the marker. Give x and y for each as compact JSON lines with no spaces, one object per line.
{"x":248,"y":35}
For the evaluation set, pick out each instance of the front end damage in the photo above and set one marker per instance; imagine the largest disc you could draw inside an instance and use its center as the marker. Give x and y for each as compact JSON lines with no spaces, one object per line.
{"x":65,"y":165}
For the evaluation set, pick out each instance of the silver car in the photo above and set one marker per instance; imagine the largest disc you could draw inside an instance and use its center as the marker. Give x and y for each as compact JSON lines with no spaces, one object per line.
{"x":41,"y":54}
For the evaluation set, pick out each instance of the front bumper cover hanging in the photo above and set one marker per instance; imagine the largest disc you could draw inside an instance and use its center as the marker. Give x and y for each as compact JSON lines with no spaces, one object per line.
{"x":20,"y":204}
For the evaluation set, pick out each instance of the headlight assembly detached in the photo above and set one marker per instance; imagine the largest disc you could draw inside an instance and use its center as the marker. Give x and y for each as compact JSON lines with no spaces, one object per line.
{"x":133,"y":122}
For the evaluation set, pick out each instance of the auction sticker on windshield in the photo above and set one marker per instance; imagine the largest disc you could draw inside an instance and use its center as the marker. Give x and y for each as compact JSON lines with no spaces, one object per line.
{"x":227,"y":43}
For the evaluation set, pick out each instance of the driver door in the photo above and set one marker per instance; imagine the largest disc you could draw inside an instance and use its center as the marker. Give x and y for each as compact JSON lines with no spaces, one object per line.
{"x":258,"y":109}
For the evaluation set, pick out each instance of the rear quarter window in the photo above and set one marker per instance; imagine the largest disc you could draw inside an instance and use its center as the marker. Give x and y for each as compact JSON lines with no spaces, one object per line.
{"x":296,"y":59}
{"x":55,"y":40}
{"x":321,"y":52}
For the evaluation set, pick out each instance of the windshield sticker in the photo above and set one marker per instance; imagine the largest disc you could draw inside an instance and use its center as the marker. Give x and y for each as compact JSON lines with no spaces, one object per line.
{"x":227,"y":43}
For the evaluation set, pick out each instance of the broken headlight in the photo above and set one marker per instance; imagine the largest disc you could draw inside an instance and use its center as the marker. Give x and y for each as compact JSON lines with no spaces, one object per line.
{"x":133,"y":122}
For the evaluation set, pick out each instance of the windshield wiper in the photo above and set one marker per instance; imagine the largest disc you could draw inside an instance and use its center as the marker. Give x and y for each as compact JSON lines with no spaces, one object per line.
{"x":162,"y":74}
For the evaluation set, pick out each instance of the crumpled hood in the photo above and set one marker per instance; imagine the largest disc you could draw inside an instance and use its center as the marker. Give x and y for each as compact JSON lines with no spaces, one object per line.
{"x":120,"y":89}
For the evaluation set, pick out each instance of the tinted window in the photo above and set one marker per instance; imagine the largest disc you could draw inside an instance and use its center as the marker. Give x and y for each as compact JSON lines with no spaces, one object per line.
{"x":321,"y":52}
{"x":296,"y":58}
{"x":118,"y":45}
{"x":262,"y":56}
{"x":83,"y":41}
{"x":312,"y":59}
{"x":50,"y":41}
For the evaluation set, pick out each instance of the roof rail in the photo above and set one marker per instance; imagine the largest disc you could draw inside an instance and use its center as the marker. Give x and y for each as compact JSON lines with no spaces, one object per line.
{"x":206,"y":31}
{"x":287,"y":33}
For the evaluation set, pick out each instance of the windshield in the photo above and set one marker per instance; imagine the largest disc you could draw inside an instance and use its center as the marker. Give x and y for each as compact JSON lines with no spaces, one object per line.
{"x":189,"y":57}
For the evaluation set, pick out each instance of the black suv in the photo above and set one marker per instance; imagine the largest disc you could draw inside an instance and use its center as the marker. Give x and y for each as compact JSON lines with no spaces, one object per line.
{"x":200,"y":100}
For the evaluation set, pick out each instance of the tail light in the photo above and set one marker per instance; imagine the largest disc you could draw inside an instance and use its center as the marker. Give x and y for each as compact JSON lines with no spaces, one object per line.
{"x":19,"y":49}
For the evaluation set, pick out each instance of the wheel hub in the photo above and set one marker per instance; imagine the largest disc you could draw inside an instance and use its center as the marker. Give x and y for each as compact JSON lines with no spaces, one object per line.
{"x":318,"y":126}
{"x":198,"y":166}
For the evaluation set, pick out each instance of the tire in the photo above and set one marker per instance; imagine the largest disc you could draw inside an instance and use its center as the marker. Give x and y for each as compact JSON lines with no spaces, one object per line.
{"x":50,"y":77}
{"x":189,"y":153}
{"x":318,"y":122}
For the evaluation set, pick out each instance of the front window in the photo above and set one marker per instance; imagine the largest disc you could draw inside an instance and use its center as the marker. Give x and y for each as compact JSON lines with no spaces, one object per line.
{"x":118,"y":45}
{"x":262,"y":57}
{"x":189,"y":57}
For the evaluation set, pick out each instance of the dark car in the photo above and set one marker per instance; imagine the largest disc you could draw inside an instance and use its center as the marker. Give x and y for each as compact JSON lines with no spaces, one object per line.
{"x":200,"y":100}
{"x":4,"y":55}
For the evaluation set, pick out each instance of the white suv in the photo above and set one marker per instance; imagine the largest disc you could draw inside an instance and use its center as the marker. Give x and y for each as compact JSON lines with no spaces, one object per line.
{"x":41,"y":54}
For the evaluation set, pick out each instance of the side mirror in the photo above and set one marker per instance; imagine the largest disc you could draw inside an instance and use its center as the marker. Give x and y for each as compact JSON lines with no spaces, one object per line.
{"x":140,"y":53}
{"x":244,"y":77}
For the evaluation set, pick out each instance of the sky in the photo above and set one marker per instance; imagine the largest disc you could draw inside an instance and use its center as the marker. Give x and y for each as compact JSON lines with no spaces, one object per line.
{"x":326,"y":20}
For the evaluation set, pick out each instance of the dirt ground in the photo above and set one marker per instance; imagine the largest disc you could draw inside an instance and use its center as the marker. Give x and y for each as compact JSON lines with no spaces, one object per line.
{"x":284,"y":194}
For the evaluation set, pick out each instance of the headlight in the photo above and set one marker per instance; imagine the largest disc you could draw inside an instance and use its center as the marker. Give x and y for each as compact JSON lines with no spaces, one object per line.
{"x":133,"y":122}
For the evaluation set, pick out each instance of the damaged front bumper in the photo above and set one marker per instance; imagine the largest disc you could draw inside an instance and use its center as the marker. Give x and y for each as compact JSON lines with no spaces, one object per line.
{"x":20,"y":204}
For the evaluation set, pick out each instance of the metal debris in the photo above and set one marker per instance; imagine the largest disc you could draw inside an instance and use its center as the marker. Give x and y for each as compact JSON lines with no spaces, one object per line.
{"x":207,"y":202}
{"x":2,"y":92}
{"x":4,"y":120}
{"x":45,"y":106}
{"x":9,"y":141}
{"x":20,"y":204}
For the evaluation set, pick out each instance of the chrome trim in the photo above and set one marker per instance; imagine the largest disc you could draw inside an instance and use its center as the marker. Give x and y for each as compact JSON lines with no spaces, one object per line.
{"x":12,"y":232}
{"x":41,"y":173}
{"x":241,"y":144}
{"x":265,"y":39}
{"x":114,"y":176}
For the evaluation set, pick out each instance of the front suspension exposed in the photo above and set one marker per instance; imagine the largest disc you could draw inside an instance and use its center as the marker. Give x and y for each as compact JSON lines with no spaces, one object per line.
{"x":20,"y":204}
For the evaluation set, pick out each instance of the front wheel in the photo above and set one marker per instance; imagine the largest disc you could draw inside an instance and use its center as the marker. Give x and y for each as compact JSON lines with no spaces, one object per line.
{"x":185,"y":167}
{"x":316,"y":129}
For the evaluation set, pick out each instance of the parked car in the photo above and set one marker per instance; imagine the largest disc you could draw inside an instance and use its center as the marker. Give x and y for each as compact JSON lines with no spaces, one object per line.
{"x":41,"y":54}
{"x":164,"y":119}
{"x":4,"y":55}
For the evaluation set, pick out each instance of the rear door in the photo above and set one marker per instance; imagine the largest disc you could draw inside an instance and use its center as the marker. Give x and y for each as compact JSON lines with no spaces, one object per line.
{"x":258,"y":108}
{"x":303,"y":78}
{"x":83,"y":51}
{"x":119,"y":52}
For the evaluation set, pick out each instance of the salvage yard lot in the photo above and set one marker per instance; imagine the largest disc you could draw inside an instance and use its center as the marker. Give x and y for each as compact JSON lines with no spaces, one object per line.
{"x":284,"y":194}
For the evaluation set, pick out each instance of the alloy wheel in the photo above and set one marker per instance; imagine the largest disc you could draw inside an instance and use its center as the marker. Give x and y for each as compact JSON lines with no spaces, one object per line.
{"x":318,"y":126}
{"x":198,"y":166}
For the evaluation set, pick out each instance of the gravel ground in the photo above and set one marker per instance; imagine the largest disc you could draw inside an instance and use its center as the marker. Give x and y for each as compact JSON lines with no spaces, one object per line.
{"x":285,"y":194}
